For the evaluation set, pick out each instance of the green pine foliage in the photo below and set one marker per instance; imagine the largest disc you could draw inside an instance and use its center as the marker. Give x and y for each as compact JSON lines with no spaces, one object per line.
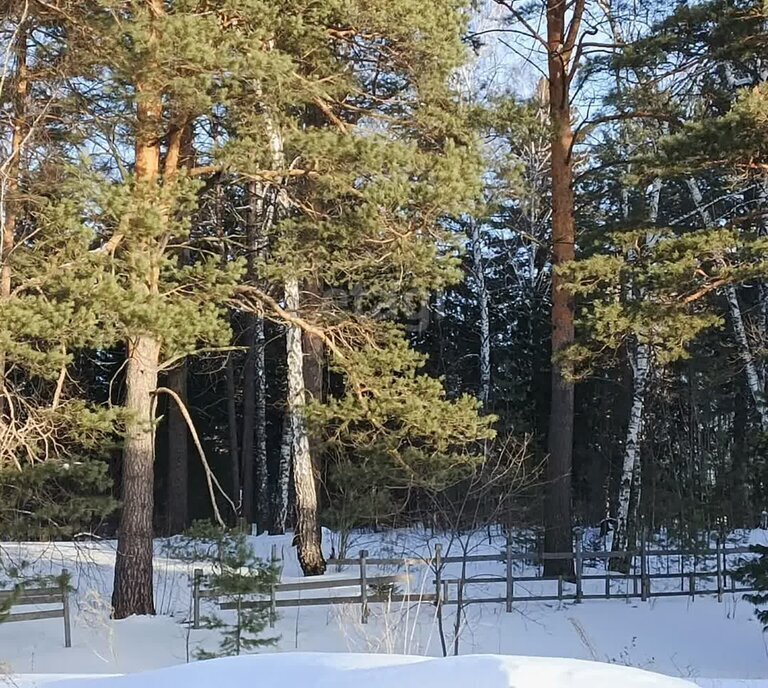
{"x":240,"y":579}
{"x":55,"y":500}
{"x":754,"y":574}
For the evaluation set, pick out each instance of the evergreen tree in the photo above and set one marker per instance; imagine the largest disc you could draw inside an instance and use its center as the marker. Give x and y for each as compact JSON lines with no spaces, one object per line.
{"x":241,"y":581}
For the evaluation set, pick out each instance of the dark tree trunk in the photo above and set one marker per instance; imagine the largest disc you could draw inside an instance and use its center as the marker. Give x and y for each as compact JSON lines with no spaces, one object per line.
{"x":249,"y":423}
{"x":234,"y":451}
{"x":178,"y":454}
{"x":261,"y":213}
{"x":557,"y":515}
{"x":740,"y":506}
{"x":133,"y":588}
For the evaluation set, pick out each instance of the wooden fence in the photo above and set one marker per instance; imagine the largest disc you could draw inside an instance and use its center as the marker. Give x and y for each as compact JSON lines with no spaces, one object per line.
{"x":364,"y":589}
{"x":56,"y":596}
{"x":700,"y":572}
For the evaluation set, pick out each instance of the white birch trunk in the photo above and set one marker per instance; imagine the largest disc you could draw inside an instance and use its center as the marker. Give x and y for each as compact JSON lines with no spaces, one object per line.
{"x":484,"y":391}
{"x":280,"y":519}
{"x":261,"y":212}
{"x":745,"y":352}
{"x":751,"y":370}
{"x":308,"y":539}
{"x":630,"y":471}
{"x":307,"y":527}
{"x":630,"y":486}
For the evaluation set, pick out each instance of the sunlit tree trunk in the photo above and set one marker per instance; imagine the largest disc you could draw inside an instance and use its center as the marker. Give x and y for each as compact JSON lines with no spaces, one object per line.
{"x":9,"y":183}
{"x":562,"y":33}
{"x":308,"y":540}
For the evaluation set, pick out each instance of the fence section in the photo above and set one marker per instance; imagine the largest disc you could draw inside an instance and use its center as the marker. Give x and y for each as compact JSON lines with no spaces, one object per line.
{"x":55,"y":597}
{"x":649,"y":573}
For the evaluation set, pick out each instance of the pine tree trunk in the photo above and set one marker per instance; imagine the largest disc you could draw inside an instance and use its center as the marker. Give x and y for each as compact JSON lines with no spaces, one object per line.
{"x":751,"y":371}
{"x":484,"y":389}
{"x":178,"y":454}
{"x":557,"y":507}
{"x":133,"y":586}
{"x":282,"y":488}
{"x":640,"y":371}
{"x":308,"y":540}
{"x":10,"y":186}
{"x":133,"y":589}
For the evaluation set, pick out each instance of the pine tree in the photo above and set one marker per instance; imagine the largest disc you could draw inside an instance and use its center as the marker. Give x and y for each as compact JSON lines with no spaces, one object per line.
{"x":754,"y":574}
{"x":242,"y":582}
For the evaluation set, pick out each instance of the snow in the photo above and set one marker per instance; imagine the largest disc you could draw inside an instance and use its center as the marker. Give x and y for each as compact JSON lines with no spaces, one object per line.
{"x":299,"y":670}
{"x":715,"y":645}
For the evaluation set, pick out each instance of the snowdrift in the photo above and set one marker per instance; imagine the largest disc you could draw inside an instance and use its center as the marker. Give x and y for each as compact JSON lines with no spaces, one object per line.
{"x":299,"y":670}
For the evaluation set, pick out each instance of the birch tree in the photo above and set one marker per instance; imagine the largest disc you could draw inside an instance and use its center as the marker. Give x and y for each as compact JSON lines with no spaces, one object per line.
{"x":755,"y":382}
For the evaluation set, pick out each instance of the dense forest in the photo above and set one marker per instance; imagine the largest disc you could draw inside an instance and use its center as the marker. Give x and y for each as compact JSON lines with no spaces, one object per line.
{"x":372,"y":264}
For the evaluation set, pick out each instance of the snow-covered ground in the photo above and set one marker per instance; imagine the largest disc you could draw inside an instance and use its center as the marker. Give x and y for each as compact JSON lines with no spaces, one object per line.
{"x":383,"y":671}
{"x":717,"y":645}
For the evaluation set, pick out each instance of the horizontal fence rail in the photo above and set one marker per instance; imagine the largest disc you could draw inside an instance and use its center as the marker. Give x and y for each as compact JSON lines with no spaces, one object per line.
{"x":644,"y":579}
{"x":56,"y":596}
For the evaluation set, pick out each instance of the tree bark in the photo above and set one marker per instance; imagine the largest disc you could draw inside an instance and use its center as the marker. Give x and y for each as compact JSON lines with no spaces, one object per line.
{"x":308,"y":539}
{"x":641,"y":365}
{"x":282,"y":488}
{"x":630,"y":485}
{"x":234,"y":450}
{"x":313,"y":368}
{"x":751,"y":370}
{"x":484,"y":388}
{"x":261,"y":211}
{"x":10,"y":185}
{"x":178,"y":454}
{"x":557,"y":507}
{"x":739,"y":488}
{"x":133,"y":588}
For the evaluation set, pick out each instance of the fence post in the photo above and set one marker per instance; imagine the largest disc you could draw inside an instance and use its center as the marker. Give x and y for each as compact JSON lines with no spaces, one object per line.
{"x":197,"y":576}
{"x":64,"y":582}
{"x":579,"y":562}
{"x":438,"y":571}
{"x":272,"y":605}
{"x":363,"y":587}
{"x":560,"y":587}
{"x":644,"y":581}
{"x":692,"y":584}
{"x":718,"y":550}
{"x":510,"y":579}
